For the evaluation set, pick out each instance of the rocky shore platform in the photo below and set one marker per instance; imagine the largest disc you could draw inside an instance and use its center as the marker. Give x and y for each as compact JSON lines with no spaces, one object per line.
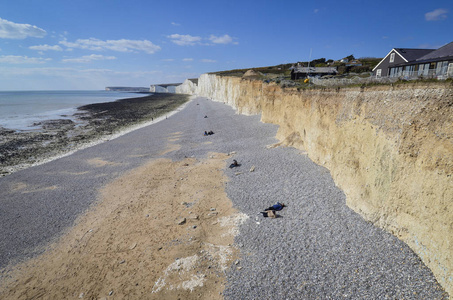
{"x":158,"y":214}
{"x":94,"y":122}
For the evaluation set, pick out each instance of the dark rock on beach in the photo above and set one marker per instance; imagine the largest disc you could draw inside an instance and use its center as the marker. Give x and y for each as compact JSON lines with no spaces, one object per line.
{"x":55,"y":124}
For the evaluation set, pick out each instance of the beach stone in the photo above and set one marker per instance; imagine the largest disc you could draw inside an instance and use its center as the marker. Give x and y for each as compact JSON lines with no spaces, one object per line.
{"x":181,"y":221}
{"x":252,"y":169}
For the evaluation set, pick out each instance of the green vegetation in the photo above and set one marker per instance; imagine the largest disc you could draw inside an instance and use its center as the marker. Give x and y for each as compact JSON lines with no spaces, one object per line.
{"x":283,"y":70}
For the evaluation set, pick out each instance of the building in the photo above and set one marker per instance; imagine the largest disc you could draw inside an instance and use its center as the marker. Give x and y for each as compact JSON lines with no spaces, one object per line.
{"x":354,"y":63}
{"x":415,"y":63}
{"x":303,"y":72}
{"x":396,"y":57}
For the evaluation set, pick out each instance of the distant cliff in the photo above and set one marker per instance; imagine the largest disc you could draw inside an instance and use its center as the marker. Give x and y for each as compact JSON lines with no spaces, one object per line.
{"x":127,"y":89}
{"x":389,"y":148}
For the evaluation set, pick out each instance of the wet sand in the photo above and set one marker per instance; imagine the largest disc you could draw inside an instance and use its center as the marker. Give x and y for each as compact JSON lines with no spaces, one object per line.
{"x":160,"y":231}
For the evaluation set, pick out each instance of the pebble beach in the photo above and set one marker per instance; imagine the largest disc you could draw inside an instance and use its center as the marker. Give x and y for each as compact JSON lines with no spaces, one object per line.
{"x":316,"y":248}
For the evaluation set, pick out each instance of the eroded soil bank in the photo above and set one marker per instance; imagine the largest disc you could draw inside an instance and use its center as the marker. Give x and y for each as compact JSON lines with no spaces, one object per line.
{"x":158,"y":232}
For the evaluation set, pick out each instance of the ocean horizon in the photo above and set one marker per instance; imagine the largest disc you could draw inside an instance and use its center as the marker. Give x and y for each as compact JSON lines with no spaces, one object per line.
{"x":23,"y":110}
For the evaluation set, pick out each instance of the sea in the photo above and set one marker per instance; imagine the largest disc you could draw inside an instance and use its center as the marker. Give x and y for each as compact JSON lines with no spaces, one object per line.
{"x":20,"y":110}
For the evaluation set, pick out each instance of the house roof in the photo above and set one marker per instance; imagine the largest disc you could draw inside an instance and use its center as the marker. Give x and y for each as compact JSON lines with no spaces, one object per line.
{"x":409,"y":54}
{"x":444,"y":51}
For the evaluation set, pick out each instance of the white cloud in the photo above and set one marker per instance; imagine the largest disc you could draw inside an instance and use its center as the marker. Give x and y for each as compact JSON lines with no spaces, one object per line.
{"x":10,"y":30}
{"x":225,"y":39}
{"x":46,"y":48}
{"x":187,"y":59}
{"x":88,"y":58}
{"x":208,"y":60}
{"x":184,"y":40}
{"x":15,"y":59}
{"x":122,"y":45}
{"x":436,"y":15}
{"x":175,"y":24}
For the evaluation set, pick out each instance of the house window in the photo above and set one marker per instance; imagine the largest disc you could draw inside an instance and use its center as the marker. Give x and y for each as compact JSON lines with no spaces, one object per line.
{"x":444,"y":67}
{"x":378,"y":72}
{"x":392,"y":71}
{"x":439,"y":68}
{"x":409,"y":70}
{"x":420,"y":69}
{"x":426,"y":71}
{"x":392,"y":57}
{"x":450,"y":70}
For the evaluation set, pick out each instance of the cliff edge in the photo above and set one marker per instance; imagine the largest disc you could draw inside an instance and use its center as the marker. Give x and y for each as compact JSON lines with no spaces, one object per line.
{"x":389,"y":148}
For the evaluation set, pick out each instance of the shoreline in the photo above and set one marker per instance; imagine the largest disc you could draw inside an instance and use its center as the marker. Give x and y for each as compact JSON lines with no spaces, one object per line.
{"x":62,"y":150}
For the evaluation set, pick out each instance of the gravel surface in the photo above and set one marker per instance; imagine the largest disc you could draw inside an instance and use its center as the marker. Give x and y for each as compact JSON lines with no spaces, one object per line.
{"x":317,"y":249}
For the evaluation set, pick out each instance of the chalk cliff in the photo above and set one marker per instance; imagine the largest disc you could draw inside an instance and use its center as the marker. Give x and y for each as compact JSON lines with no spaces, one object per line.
{"x":389,"y":148}
{"x":162,"y":89}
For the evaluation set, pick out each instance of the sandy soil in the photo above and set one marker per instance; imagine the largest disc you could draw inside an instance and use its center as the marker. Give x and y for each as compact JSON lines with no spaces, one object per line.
{"x":162,"y":231}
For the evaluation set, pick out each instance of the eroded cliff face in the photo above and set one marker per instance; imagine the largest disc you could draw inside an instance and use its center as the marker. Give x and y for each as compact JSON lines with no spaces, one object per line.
{"x":390,"y":149}
{"x":187,"y":87}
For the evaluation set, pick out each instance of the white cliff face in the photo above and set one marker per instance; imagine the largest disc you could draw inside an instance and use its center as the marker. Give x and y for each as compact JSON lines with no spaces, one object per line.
{"x":157,"y":89}
{"x":187,"y":87}
{"x":220,"y":89}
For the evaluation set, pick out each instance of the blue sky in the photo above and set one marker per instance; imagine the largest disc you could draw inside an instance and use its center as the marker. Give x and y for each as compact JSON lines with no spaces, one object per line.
{"x":91,"y":44}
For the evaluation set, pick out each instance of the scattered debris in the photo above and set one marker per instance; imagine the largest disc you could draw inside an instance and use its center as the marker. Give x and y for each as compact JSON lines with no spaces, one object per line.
{"x":234,"y":164}
{"x":271,"y":211}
